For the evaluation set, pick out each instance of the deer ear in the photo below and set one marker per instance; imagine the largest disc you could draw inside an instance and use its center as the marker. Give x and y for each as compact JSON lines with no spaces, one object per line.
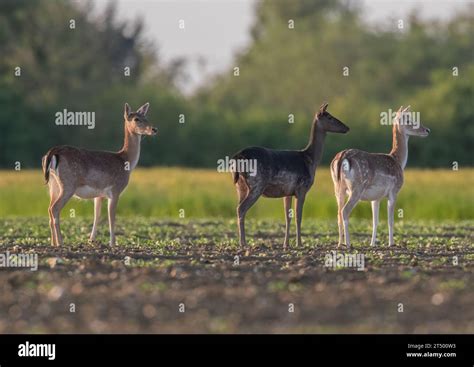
{"x":126,"y":111}
{"x":143,"y":109}
{"x":399,"y":112}
{"x":406,"y":108}
{"x":323,"y":107}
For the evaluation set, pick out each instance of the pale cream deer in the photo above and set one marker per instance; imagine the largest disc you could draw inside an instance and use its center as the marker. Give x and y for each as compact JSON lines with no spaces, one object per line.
{"x":373,"y":176}
{"x":94,"y":175}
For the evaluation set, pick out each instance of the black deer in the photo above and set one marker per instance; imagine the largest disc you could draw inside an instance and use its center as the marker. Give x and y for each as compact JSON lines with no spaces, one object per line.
{"x":283,"y":173}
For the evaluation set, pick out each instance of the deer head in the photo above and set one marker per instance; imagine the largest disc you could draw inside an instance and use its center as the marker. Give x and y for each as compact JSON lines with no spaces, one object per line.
{"x":328,"y":122}
{"x":136,"y":122}
{"x":407,"y":125}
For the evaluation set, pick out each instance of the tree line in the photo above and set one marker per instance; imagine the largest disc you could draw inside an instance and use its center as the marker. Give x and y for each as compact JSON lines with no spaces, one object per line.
{"x":301,"y":53}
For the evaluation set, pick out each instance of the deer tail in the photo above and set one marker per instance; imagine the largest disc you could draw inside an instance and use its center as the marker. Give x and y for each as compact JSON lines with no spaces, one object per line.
{"x":46,"y":164}
{"x":235,"y":176}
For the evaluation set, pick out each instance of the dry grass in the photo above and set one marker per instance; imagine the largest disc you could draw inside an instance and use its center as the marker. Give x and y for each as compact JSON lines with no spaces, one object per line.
{"x":202,"y":193}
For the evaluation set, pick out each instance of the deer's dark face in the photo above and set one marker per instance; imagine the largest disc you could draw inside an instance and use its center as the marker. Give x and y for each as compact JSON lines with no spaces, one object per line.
{"x":137,"y":122}
{"x":331,"y":124}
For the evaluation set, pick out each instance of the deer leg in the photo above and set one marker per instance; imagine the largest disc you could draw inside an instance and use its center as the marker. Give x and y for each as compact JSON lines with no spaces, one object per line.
{"x":56,"y":208}
{"x":346,"y":211}
{"x":52,"y":228}
{"x":97,"y":208}
{"x":242,"y":209}
{"x":299,"y":216}
{"x":340,"y":195}
{"x":112,"y":206}
{"x":287,"y":206}
{"x":54,"y":191}
{"x":390,"y":209}
{"x":375,"y":220}
{"x":242,"y":191}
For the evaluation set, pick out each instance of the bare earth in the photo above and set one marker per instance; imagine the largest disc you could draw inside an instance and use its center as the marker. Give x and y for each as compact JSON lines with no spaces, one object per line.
{"x":190,"y":277}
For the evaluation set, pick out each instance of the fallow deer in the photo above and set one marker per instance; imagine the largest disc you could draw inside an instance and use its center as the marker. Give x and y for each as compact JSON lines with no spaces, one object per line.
{"x":283,"y":173}
{"x":373,"y":176}
{"x":94,"y":175}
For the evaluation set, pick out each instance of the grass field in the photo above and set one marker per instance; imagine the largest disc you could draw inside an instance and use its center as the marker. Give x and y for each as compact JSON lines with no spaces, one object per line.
{"x":163,"y":192}
{"x":170,"y":274}
{"x":189,"y":276}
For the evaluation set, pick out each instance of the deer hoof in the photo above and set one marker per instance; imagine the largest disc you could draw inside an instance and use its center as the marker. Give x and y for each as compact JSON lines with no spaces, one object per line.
{"x":243,"y":252}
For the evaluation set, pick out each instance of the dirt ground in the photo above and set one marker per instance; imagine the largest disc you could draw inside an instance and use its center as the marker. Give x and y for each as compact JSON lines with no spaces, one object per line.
{"x":190,"y":277}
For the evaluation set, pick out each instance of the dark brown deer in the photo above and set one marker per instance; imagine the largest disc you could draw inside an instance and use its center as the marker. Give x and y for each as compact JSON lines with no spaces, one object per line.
{"x":94,"y":174}
{"x":373,"y":176}
{"x":283,"y":173}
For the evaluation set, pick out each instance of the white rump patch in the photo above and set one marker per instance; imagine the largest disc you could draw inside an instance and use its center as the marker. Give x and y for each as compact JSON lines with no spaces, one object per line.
{"x":53,"y":164}
{"x":346,"y":167}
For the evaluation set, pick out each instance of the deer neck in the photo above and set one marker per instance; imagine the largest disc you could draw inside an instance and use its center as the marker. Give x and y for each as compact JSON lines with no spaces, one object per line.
{"x":131,"y":148}
{"x":399,"y":147}
{"x":314,"y":149}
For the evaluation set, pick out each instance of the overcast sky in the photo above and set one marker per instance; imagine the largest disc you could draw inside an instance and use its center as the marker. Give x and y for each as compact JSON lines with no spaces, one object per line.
{"x":215,"y":29}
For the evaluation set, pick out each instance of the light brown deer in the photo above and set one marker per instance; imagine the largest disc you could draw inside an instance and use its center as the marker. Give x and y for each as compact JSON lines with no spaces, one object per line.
{"x":373,"y":176}
{"x":94,"y":175}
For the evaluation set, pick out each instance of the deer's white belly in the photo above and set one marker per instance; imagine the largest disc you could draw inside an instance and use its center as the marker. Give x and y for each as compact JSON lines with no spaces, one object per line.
{"x":89,"y":192}
{"x":375,"y":192}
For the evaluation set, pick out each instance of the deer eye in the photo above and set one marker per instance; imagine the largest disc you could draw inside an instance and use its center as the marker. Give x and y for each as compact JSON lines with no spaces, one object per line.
{"x":136,"y":120}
